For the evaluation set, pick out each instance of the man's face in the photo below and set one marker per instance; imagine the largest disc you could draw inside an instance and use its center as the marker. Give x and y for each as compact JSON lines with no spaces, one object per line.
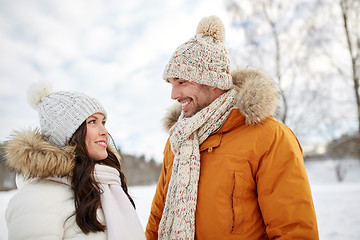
{"x":192,"y":96}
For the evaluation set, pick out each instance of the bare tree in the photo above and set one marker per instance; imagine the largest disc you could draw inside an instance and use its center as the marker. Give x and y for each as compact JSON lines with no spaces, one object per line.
{"x":350,"y":13}
{"x":280,"y":37}
{"x":339,"y":33}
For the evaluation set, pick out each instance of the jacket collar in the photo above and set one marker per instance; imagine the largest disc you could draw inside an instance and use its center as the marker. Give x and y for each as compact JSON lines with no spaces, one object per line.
{"x":257,"y":99}
{"x":234,"y":120}
{"x":28,"y":153}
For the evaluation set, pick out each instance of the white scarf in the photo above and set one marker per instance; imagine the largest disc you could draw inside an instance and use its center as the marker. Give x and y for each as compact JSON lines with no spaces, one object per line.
{"x":121,"y":219}
{"x":178,"y":218}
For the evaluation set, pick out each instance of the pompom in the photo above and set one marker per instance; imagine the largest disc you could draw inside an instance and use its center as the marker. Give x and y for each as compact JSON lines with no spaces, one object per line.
{"x":212,"y":26}
{"x":37,"y":91}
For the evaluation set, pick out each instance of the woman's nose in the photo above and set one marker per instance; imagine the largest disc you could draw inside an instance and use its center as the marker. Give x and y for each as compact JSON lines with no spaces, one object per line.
{"x":103,"y":130}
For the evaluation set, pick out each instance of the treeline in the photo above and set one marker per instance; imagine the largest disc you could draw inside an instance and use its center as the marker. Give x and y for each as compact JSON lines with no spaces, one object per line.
{"x":137,"y":169}
{"x":140,"y":171}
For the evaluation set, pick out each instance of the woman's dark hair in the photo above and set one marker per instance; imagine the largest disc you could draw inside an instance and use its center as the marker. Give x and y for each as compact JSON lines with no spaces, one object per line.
{"x":86,"y":190}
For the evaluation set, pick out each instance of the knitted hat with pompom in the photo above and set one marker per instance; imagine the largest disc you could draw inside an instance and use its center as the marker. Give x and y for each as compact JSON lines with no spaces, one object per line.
{"x":203,"y":59}
{"x":61,"y":113}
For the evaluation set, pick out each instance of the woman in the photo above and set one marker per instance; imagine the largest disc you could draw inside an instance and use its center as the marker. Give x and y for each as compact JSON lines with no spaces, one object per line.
{"x":74,"y":187}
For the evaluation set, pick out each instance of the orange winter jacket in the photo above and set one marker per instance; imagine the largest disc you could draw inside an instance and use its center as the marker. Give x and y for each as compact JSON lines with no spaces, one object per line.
{"x":252,"y":183}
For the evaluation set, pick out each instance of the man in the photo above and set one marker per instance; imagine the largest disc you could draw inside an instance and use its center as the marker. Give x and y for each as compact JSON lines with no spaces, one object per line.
{"x":230,"y":170}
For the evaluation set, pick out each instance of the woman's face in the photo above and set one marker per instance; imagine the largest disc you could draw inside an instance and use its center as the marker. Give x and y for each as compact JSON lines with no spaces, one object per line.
{"x":96,"y":137}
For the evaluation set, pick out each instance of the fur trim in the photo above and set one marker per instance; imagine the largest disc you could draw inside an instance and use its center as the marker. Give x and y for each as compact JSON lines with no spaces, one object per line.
{"x":30,"y":154}
{"x":257,"y":97}
{"x":172,"y":116}
{"x":258,"y":94}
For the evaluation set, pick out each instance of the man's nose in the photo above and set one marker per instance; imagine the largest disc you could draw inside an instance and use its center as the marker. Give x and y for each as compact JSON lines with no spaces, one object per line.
{"x":175,"y":94}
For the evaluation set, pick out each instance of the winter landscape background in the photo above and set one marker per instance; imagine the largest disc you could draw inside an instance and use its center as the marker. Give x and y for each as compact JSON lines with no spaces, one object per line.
{"x":337,"y":204}
{"x":116,"y":51}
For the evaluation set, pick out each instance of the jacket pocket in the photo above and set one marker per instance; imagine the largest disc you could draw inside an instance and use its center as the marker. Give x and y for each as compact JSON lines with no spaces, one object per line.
{"x":237,"y":206}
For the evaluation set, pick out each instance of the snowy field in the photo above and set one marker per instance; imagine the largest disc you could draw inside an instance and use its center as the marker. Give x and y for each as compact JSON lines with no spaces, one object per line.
{"x":337,"y":204}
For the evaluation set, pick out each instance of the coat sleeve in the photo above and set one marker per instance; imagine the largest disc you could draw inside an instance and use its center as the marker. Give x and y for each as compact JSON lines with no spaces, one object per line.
{"x":284,"y":193}
{"x":158,"y":202}
{"x":35,"y":213}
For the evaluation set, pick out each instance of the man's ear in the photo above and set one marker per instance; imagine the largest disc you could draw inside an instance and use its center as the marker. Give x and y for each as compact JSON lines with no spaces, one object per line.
{"x":216,"y":89}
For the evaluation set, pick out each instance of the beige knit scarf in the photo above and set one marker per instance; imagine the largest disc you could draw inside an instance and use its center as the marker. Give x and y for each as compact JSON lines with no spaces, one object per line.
{"x":178,"y":218}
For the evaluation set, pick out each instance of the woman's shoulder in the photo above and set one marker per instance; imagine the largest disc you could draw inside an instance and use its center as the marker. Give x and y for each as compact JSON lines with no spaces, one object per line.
{"x":48,"y":203}
{"x":49,"y":185}
{"x":43,"y":195}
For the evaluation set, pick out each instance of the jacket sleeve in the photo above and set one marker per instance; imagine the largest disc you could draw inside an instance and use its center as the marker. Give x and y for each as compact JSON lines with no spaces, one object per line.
{"x":158,"y":202}
{"x":35,"y":213}
{"x":284,"y":193}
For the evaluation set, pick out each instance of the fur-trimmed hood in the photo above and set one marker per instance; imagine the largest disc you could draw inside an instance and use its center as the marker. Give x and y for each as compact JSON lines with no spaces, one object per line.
{"x":28,"y":153}
{"x":256,"y":99}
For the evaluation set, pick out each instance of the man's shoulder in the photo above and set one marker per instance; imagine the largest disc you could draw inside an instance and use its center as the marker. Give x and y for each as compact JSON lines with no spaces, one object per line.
{"x":266,"y":130}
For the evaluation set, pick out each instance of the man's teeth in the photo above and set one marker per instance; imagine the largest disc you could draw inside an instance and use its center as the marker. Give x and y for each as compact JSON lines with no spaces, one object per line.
{"x":183,"y":104}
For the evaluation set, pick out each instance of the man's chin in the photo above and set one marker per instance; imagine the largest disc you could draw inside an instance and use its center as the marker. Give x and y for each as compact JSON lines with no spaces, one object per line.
{"x":188,"y":114}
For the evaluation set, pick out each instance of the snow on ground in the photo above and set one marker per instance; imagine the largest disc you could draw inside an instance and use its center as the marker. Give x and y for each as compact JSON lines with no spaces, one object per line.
{"x":337,"y":204}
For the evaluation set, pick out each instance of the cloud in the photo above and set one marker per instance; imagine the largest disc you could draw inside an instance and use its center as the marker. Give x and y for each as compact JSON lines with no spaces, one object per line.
{"x":112,"y":50}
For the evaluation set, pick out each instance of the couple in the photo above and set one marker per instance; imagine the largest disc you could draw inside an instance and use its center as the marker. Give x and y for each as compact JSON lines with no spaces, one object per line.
{"x":251,"y":183}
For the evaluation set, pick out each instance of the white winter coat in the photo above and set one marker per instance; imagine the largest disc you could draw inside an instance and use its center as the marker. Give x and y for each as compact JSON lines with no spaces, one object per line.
{"x":44,"y":207}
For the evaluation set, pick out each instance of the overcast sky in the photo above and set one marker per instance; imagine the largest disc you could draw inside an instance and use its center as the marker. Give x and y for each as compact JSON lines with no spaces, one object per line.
{"x":113,"y":50}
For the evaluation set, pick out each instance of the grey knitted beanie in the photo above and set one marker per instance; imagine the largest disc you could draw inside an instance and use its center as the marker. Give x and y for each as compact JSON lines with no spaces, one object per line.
{"x":61,"y":113}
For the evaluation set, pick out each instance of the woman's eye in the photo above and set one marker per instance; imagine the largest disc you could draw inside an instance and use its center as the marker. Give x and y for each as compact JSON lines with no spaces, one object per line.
{"x":91,"y":121}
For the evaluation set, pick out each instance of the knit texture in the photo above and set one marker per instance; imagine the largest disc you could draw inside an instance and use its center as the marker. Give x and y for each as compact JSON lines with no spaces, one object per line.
{"x":178,"y":218}
{"x":203,"y":59}
{"x":61,"y":113}
{"x":121,"y":219}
